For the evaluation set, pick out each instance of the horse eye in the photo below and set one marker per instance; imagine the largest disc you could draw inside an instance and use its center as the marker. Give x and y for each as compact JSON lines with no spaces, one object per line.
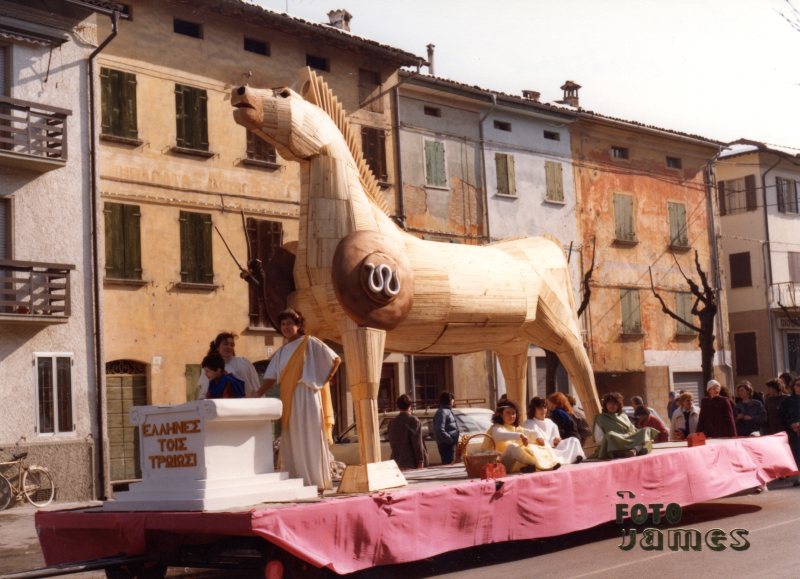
{"x":285,"y":93}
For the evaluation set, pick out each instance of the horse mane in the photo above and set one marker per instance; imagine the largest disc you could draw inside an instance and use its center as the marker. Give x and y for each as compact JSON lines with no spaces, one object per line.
{"x":316,"y":91}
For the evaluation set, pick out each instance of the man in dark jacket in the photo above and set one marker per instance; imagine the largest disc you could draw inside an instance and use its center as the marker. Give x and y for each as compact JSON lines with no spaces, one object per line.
{"x":445,"y":428}
{"x":405,"y":437}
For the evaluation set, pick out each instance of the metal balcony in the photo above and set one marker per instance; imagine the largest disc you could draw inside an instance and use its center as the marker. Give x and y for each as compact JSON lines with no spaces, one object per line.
{"x":32,"y":136}
{"x":34,"y":293}
{"x":786,"y":294}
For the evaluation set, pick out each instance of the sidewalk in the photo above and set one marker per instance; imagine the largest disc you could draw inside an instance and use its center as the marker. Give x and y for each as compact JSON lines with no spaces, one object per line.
{"x":19,"y":544}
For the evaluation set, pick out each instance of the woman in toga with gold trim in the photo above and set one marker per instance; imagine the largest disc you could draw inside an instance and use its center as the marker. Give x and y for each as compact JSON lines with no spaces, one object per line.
{"x":303,"y":367}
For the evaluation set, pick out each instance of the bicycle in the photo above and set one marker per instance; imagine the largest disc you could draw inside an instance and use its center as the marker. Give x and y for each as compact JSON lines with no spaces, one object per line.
{"x":33,"y":482}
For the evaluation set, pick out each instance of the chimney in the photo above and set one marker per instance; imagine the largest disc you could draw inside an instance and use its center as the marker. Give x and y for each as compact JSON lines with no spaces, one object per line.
{"x":570,"y":89}
{"x":430,"y":48}
{"x":340,"y":19}
{"x":531,"y":95}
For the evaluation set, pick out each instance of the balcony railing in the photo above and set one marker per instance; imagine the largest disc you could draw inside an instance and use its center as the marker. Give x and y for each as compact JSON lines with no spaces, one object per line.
{"x":34,"y":292}
{"x":786,"y":294}
{"x":32,"y":135}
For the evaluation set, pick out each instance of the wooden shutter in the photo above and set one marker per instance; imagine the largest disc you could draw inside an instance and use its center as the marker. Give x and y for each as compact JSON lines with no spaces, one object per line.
{"x":435,"y":164}
{"x":746,"y":355}
{"x":683,"y":308}
{"x":106,"y":101}
{"x":780,"y":186}
{"x":677,"y":224}
{"x":64,"y":393}
{"x":373,"y":146}
{"x":180,"y":117}
{"x":740,"y":269}
{"x":264,"y":237}
{"x":794,"y":266}
{"x":631,"y":317}
{"x":129,"y":104}
{"x":188,"y":252}
{"x":555,"y":180}
{"x":201,"y":112}
{"x":750,"y":192}
{"x":501,"y":168}
{"x":791,"y":196}
{"x":115,"y":240}
{"x":131,"y":218}
{"x":5,"y":229}
{"x":721,"y":197}
{"x":205,"y":258}
{"x":512,"y":178}
{"x":623,"y":217}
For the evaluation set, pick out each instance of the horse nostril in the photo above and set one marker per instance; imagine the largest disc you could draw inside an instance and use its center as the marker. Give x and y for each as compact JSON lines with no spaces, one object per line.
{"x":240,"y":91}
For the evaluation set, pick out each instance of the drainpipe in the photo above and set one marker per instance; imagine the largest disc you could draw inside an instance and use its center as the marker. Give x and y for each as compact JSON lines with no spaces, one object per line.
{"x":398,"y":166}
{"x":93,"y":204}
{"x":483,"y":167}
{"x":768,"y":269}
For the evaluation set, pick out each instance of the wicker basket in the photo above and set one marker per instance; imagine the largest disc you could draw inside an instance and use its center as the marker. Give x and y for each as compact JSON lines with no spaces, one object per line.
{"x":474,"y":463}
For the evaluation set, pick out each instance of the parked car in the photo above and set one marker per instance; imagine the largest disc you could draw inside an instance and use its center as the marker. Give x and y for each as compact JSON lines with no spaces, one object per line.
{"x":470,"y":421}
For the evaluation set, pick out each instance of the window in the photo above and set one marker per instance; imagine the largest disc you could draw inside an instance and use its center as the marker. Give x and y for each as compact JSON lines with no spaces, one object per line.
{"x":740,"y":269}
{"x":265,"y":238}
{"x":794,"y":266}
{"x":118,"y":108}
{"x":737,"y":195}
{"x":432,"y":111}
{"x":504,"y":167}
{"x":631,"y":316}
{"x":5,"y":228}
{"x":787,"y":195}
{"x":619,"y":153}
{"x":260,"y":150}
{"x":552,"y":135}
{"x":431,"y":377}
{"x":191,"y":113}
{"x":674,"y":163}
{"x":623,"y":218}
{"x":318,"y":62}
{"x":196,"y":264}
{"x":123,"y":244}
{"x":684,"y":301}
{"x":678,"y":236}
{"x":369,"y":87}
{"x":373,"y":146}
{"x":746,"y":353}
{"x":54,"y":393}
{"x":256,"y":46}
{"x":435,"y":170}
{"x":502,"y":126}
{"x":187,"y":28}
{"x":555,"y":181}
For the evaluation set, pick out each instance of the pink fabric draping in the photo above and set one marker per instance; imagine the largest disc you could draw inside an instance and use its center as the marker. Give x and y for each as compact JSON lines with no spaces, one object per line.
{"x":350,"y":534}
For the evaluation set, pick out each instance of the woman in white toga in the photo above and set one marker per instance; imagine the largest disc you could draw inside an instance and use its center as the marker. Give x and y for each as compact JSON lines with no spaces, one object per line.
{"x":303,"y":367}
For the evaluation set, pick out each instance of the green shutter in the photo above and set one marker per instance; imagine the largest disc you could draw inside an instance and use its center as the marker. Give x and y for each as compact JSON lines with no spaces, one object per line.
{"x":512,"y":179}
{"x":106,"y":105}
{"x":187,"y":247}
{"x":115,"y":244}
{"x":555,"y":181}
{"x":623,"y":217}
{"x":180,"y":117}
{"x":133,"y":248}
{"x":206,"y":275}
{"x":683,"y":308}
{"x":201,"y":112}
{"x":750,"y":192}
{"x":721,"y":198}
{"x":436,"y":175}
{"x":677,"y":224}
{"x":501,"y":168}
{"x":130,"y":120}
{"x":631,"y":317}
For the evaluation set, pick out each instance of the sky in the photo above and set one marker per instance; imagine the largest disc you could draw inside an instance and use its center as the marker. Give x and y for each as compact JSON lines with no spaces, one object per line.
{"x":722,"y":69}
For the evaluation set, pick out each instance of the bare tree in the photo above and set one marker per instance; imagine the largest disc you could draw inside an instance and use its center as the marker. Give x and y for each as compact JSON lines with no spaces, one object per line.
{"x":705,"y":308}
{"x":551,"y":360}
{"x":792,"y":15}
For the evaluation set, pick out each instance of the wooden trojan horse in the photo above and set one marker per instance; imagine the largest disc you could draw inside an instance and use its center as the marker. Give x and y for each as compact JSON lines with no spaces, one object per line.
{"x":363,"y":282}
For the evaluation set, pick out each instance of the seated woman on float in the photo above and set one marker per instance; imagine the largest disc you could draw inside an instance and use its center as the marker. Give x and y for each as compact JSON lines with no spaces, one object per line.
{"x":567,"y":450}
{"x":614,"y":433}
{"x":520,"y":450}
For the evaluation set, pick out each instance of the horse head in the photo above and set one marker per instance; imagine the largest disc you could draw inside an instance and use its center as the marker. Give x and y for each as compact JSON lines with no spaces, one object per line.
{"x":279,"y":115}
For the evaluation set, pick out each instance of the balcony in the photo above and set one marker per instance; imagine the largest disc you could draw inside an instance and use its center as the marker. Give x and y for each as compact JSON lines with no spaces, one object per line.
{"x":32,"y":136}
{"x":34,"y":293}
{"x":786,"y":294}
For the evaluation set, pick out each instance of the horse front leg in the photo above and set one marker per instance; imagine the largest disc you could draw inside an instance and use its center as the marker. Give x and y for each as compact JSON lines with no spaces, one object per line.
{"x":514,"y":366}
{"x":363,"y":354}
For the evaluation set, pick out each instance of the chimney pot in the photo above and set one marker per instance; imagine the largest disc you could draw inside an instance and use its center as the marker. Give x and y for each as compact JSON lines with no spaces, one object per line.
{"x":340,"y":19}
{"x":531,"y":95}
{"x":430,"y":48}
{"x":570,"y":89}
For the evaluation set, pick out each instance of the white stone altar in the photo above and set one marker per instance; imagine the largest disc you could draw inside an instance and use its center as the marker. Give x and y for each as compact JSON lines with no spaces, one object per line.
{"x":208,"y":455}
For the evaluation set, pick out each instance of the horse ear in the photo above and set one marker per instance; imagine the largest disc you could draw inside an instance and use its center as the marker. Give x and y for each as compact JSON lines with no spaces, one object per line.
{"x":304,"y":75}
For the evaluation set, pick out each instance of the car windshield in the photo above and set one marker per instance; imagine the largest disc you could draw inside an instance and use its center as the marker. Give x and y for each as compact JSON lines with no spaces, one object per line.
{"x":473,"y":423}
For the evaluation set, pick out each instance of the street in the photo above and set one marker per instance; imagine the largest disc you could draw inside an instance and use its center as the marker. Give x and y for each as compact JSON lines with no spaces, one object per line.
{"x":769,"y":518}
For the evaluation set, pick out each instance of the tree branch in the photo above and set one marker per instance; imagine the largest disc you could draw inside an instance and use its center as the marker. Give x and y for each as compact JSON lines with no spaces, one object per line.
{"x":665,"y":308}
{"x":587,"y":291}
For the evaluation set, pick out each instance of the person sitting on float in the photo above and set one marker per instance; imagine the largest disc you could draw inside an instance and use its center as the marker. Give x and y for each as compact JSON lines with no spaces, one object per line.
{"x":562,"y":414}
{"x":520,"y":450}
{"x":646,"y":417}
{"x":750,"y":414}
{"x":685,"y":417}
{"x":776,"y":394}
{"x":716,"y":413}
{"x":614,"y":433}
{"x":568,"y":450}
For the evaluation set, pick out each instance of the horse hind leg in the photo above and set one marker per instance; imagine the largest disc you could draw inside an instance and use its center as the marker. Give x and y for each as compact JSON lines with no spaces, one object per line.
{"x":553,"y":331}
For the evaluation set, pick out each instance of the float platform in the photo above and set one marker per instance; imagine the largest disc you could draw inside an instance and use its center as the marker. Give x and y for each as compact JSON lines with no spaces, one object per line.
{"x":440,"y":510}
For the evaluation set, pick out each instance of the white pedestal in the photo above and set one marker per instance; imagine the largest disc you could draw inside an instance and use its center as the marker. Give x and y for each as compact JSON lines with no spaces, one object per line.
{"x":208,"y":455}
